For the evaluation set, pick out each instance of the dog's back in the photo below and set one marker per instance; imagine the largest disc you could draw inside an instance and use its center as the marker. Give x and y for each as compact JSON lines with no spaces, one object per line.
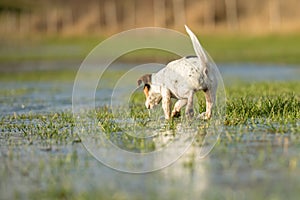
{"x":182,"y":75}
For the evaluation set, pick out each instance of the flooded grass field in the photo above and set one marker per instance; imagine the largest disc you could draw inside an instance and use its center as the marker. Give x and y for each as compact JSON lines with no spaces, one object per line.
{"x":257,"y":155}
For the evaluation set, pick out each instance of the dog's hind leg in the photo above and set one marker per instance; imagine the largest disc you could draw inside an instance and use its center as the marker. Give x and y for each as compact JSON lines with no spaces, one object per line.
{"x":189,"y":110}
{"x":210,"y":96}
{"x":178,"y":105}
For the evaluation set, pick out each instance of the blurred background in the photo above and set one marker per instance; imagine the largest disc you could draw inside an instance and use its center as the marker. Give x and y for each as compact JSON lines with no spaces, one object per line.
{"x":81,"y":17}
{"x":69,"y":29}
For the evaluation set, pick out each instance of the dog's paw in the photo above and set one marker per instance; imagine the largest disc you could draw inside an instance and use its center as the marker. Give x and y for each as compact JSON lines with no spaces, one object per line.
{"x":204,"y":116}
{"x":176,"y":114}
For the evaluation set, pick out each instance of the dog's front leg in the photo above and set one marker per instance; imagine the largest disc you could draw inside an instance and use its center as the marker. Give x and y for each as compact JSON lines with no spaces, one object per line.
{"x":178,"y":105}
{"x":189,"y":110}
{"x":166,"y":103}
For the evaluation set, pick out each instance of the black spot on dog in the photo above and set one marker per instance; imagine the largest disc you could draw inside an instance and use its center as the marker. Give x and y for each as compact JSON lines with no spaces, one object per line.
{"x":187,"y":57}
{"x":206,"y":72}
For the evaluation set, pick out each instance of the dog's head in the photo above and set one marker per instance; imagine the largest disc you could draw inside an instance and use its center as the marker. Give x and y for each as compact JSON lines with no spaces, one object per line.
{"x":153,"y":97}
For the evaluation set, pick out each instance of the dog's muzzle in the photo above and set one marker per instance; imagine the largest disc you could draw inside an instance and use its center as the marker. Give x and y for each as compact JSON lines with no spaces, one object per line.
{"x":148,"y":106}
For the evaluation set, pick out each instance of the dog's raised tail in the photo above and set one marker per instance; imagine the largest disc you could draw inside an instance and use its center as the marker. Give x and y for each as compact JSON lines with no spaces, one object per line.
{"x":197,"y":46}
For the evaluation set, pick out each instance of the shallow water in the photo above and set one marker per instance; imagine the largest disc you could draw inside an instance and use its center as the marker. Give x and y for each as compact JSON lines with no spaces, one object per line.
{"x":244,"y":170}
{"x":248,"y":164}
{"x":255,"y":72}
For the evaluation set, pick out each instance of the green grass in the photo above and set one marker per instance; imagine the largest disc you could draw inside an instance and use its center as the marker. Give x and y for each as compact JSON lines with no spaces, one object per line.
{"x":222,"y":48}
{"x":267,"y":102}
{"x":54,"y":128}
{"x":273,"y":106}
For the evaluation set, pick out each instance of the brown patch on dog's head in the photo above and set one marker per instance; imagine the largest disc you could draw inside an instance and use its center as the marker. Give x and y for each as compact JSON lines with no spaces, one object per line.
{"x":146,"y":90}
{"x":152,"y":99}
{"x":146,"y":79}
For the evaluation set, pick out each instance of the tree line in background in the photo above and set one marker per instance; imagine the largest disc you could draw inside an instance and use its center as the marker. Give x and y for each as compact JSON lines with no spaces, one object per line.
{"x":76,"y":17}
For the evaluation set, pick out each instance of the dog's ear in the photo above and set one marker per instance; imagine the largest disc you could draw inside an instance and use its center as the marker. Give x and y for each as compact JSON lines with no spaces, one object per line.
{"x":146,"y":79}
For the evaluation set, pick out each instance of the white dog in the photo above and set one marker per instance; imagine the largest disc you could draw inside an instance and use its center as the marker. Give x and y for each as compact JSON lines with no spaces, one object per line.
{"x":180,"y":79}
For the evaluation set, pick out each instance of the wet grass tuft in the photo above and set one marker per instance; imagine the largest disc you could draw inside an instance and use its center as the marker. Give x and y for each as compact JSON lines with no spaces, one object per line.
{"x":273,"y":105}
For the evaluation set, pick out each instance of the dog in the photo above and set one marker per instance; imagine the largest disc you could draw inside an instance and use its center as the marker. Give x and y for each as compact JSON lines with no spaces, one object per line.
{"x":180,"y":79}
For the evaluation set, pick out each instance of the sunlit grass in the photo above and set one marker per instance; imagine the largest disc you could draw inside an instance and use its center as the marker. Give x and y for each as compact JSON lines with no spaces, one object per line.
{"x":266,"y":103}
{"x":273,"y":107}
